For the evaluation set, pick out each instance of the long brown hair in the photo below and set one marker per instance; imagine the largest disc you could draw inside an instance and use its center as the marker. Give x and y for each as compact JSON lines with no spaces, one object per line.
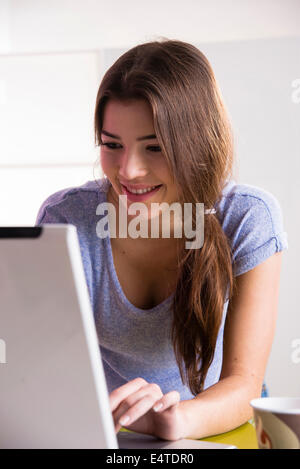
{"x":194,"y":132}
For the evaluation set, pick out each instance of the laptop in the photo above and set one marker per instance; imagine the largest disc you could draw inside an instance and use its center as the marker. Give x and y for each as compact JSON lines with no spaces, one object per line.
{"x":53,"y":392}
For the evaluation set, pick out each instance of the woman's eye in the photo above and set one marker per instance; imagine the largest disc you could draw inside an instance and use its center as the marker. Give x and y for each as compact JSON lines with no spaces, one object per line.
{"x":109,"y":145}
{"x":154,"y":148}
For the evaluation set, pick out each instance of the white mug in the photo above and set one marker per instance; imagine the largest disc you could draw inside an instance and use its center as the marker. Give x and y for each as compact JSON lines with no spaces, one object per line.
{"x":277,"y":422}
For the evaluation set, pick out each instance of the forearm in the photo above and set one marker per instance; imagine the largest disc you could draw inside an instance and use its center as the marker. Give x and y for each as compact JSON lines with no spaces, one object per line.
{"x":220,"y":408}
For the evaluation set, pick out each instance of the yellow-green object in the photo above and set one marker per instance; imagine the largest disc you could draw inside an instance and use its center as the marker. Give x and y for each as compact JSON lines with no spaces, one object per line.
{"x":243,"y":437}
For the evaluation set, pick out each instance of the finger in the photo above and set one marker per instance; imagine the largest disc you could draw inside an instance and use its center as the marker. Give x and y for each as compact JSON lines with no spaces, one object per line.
{"x":139,"y":409}
{"x":169,"y":400}
{"x":117,"y":427}
{"x":121,"y":393}
{"x":152,"y":391}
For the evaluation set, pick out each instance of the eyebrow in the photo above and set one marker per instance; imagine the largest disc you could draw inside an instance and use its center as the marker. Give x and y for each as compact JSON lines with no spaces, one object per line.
{"x":146,"y":137}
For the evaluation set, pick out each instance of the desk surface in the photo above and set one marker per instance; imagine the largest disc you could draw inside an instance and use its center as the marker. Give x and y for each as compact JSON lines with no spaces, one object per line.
{"x":243,"y":437}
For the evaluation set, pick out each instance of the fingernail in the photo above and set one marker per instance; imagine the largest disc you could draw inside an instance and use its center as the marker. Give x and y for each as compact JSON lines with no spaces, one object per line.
{"x":157,"y":407}
{"x":124,"y":420}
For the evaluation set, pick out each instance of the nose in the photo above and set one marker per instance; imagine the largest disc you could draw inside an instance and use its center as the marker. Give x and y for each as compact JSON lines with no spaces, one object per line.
{"x":132,"y":166}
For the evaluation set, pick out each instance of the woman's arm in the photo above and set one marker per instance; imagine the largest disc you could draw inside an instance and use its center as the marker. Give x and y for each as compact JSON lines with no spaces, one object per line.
{"x":248,"y":337}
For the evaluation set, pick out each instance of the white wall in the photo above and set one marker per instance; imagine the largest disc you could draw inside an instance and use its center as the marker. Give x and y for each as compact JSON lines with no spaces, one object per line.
{"x":5,"y":32}
{"x":47,"y":113}
{"x":85,"y":24}
{"x":254,"y":48}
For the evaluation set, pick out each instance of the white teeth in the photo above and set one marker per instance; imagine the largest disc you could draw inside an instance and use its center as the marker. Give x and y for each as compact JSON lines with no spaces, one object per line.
{"x":141,"y":191}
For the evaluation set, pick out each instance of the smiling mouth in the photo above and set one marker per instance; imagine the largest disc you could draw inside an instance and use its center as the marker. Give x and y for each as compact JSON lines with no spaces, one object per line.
{"x":141,"y":191}
{"x":141,"y":195}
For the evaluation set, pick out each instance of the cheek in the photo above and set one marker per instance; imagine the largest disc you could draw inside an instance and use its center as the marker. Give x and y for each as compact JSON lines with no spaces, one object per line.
{"x":159,"y":166}
{"x":163,"y":170}
{"x":107,"y":163}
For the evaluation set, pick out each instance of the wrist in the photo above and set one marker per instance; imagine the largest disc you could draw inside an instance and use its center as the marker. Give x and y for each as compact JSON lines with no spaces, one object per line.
{"x":188,"y":418}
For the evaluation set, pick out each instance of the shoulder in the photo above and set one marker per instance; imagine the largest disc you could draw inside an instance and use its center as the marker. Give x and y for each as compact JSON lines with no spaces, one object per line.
{"x":238,"y":199}
{"x":252,"y":219}
{"x":65,"y":204}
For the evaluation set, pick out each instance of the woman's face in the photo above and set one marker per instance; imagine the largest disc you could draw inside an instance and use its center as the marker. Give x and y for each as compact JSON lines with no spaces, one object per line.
{"x":131,"y":157}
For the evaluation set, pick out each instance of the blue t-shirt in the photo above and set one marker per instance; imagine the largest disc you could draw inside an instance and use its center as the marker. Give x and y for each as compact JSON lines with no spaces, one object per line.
{"x":136,"y":342}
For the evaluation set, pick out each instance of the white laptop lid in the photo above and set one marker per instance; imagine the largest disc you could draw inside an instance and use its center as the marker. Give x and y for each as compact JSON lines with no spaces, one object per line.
{"x":53,"y":392}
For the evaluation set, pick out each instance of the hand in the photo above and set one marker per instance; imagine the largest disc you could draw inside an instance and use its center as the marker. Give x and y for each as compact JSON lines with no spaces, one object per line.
{"x":142,"y":407}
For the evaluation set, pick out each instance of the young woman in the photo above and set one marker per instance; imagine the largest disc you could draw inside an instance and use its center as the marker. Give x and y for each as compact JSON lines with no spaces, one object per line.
{"x":185,"y":334}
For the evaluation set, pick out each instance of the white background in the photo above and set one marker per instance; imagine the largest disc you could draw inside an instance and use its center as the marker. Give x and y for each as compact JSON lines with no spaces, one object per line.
{"x":53,"y":54}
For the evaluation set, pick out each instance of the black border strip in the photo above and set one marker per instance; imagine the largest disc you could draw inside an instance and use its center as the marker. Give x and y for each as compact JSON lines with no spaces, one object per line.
{"x":8,"y":232}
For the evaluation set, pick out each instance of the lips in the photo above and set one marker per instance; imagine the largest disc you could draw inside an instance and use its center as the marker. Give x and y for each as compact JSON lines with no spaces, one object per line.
{"x":131,"y":188}
{"x":139,"y":197}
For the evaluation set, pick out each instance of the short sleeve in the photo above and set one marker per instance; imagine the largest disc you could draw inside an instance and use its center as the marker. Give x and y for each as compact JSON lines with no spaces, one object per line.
{"x":67,"y":207}
{"x":50,"y":211}
{"x":73,"y":205}
{"x":254,"y":222}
